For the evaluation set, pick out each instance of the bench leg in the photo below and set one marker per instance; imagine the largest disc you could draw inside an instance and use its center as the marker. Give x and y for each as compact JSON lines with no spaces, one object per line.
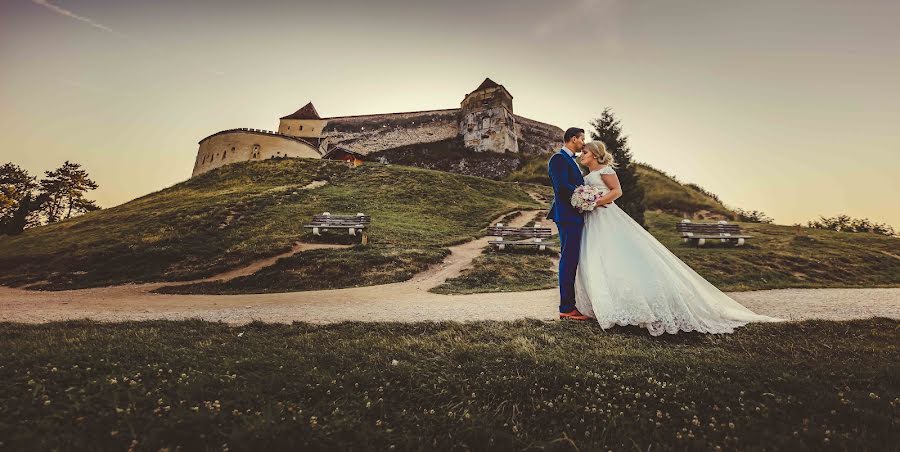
{"x":542,"y":247}
{"x":352,"y":231}
{"x":316,"y":231}
{"x":740,"y":242}
{"x":701,"y":242}
{"x":501,"y":247}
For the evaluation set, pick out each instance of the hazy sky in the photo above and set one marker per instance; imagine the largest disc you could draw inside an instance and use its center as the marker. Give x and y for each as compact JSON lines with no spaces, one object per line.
{"x":789,"y":107}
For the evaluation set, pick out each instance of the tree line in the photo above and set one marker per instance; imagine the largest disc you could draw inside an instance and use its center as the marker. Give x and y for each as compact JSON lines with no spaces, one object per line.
{"x":26,"y":201}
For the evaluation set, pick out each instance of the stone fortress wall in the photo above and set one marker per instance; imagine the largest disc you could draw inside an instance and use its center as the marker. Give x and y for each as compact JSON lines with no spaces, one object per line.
{"x":241,"y":145}
{"x":372,"y":133}
{"x":484,"y":123}
{"x":536,"y":137}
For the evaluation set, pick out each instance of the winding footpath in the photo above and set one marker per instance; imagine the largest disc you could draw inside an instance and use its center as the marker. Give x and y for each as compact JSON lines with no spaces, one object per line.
{"x":407,"y":301}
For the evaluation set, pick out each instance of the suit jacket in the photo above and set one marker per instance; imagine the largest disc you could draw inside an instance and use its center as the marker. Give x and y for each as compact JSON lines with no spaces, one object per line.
{"x":565,"y":176}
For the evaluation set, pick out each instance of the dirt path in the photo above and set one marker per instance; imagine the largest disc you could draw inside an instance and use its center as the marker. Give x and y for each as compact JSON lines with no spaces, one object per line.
{"x":407,"y":301}
{"x":394,"y":302}
{"x":460,"y":257}
{"x":260,"y":264}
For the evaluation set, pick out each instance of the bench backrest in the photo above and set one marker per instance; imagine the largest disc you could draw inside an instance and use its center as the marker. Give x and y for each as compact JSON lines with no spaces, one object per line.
{"x":342,"y":219}
{"x":506,"y":231}
{"x":708,"y":228}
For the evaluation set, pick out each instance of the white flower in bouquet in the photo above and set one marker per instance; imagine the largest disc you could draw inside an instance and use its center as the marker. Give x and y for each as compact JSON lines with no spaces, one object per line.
{"x":585,"y":197}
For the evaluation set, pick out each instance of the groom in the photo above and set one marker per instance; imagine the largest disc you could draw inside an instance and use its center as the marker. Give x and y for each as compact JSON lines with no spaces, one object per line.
{"x":565,"y":176}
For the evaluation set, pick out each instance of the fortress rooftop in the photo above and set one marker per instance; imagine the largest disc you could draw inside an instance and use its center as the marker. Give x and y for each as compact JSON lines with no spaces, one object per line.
{"x":307,"y":112}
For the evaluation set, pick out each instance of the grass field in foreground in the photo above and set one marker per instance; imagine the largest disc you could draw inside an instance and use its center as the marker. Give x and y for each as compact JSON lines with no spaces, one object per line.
{"x":511,"y":385}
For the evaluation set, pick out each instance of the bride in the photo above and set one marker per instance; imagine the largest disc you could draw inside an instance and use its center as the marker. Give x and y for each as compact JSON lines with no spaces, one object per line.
{"x":626,"y":277}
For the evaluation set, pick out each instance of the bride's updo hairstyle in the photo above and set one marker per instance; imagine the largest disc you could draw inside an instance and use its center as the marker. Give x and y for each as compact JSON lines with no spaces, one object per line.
{"x":598,"y":148}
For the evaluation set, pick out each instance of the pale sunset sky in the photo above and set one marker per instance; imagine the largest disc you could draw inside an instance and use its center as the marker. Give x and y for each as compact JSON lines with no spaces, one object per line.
{"x":789,"y":107}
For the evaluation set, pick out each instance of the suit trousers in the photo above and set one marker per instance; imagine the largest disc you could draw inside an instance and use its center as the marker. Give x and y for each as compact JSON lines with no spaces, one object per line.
{"x":570,"y":248}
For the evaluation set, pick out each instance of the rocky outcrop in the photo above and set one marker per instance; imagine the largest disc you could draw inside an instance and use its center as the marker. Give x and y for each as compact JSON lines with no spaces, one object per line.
{"x":452,"y":156}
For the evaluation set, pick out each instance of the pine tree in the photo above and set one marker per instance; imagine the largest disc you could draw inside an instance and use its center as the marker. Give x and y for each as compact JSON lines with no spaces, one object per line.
{"x":17,"y":206}
{"x":608,"y":129}
{"x":62,"y":192}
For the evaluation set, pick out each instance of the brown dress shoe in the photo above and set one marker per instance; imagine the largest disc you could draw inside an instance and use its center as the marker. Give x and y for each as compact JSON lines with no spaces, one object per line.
{"x":572,"y":315}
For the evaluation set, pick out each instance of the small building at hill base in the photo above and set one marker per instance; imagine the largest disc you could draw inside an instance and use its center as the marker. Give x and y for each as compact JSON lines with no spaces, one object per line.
{"x":345,"y":155}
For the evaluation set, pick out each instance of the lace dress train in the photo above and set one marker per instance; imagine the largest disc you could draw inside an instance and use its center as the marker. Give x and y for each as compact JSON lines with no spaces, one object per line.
{"x":626,"y":277}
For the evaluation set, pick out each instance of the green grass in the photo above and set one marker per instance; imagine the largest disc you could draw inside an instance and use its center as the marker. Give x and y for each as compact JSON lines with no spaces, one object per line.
{"x":325,"y":269}
{"x":776,"y":257}
{"x":488,"y":385}
{"x":663,"y":192}
{"x":532,"y":171}
{"x":177,"y":233}
{"x":781,"y":257}
{"x":510,"y":270}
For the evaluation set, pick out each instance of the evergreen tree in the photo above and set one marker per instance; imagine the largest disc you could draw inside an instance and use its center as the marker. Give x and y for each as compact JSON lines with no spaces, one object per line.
{"x":17,"y":194}
{"x":608,"y":129}
{"x":62,"y":192}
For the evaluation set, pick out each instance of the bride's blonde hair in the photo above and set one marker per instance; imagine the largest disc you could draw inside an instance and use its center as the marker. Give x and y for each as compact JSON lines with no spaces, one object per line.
{"x":598,"y":148}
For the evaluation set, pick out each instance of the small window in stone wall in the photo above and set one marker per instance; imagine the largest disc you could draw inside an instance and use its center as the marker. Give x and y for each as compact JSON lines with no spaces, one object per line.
{"x":224,"y":153}
{"x":301,"y":128}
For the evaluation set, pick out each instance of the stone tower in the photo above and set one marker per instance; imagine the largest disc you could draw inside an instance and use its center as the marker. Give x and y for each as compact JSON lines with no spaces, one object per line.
{"x":486,"y":119}
{"x":303,"y":123}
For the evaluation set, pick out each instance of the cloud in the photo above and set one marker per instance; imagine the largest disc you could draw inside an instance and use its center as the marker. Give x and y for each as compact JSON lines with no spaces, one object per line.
{"x":72,"y":15}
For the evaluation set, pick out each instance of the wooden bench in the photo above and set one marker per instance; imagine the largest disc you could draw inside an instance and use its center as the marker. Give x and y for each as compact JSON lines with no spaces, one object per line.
{"x":354,"y":224}
{"x":506,"y":235}
{"x":700,"y":232}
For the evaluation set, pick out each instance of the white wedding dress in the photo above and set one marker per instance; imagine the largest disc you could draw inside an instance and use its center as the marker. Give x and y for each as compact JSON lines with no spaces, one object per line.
{"x":626,"y":277}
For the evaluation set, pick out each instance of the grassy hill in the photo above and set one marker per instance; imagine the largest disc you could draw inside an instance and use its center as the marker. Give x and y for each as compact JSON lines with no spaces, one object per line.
{"x":784,"y":256}
{"x":240,"y":213}
{"x":662,"y":191}
{"x":243,"y":212}
{"x":776,"y":257}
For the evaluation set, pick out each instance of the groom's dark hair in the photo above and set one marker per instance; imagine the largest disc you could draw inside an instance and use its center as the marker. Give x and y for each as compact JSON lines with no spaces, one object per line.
{"x":571,"y":132}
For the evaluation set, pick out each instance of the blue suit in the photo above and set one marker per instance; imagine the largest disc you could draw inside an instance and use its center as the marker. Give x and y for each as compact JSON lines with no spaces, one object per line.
{"x":565,"y":176}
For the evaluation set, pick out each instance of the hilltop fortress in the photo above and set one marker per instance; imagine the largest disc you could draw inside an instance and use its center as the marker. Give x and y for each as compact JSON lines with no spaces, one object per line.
{"x":482,"y":137}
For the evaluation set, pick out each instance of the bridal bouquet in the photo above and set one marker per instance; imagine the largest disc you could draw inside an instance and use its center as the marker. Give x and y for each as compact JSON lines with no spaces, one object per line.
{"x":585,"y":197}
